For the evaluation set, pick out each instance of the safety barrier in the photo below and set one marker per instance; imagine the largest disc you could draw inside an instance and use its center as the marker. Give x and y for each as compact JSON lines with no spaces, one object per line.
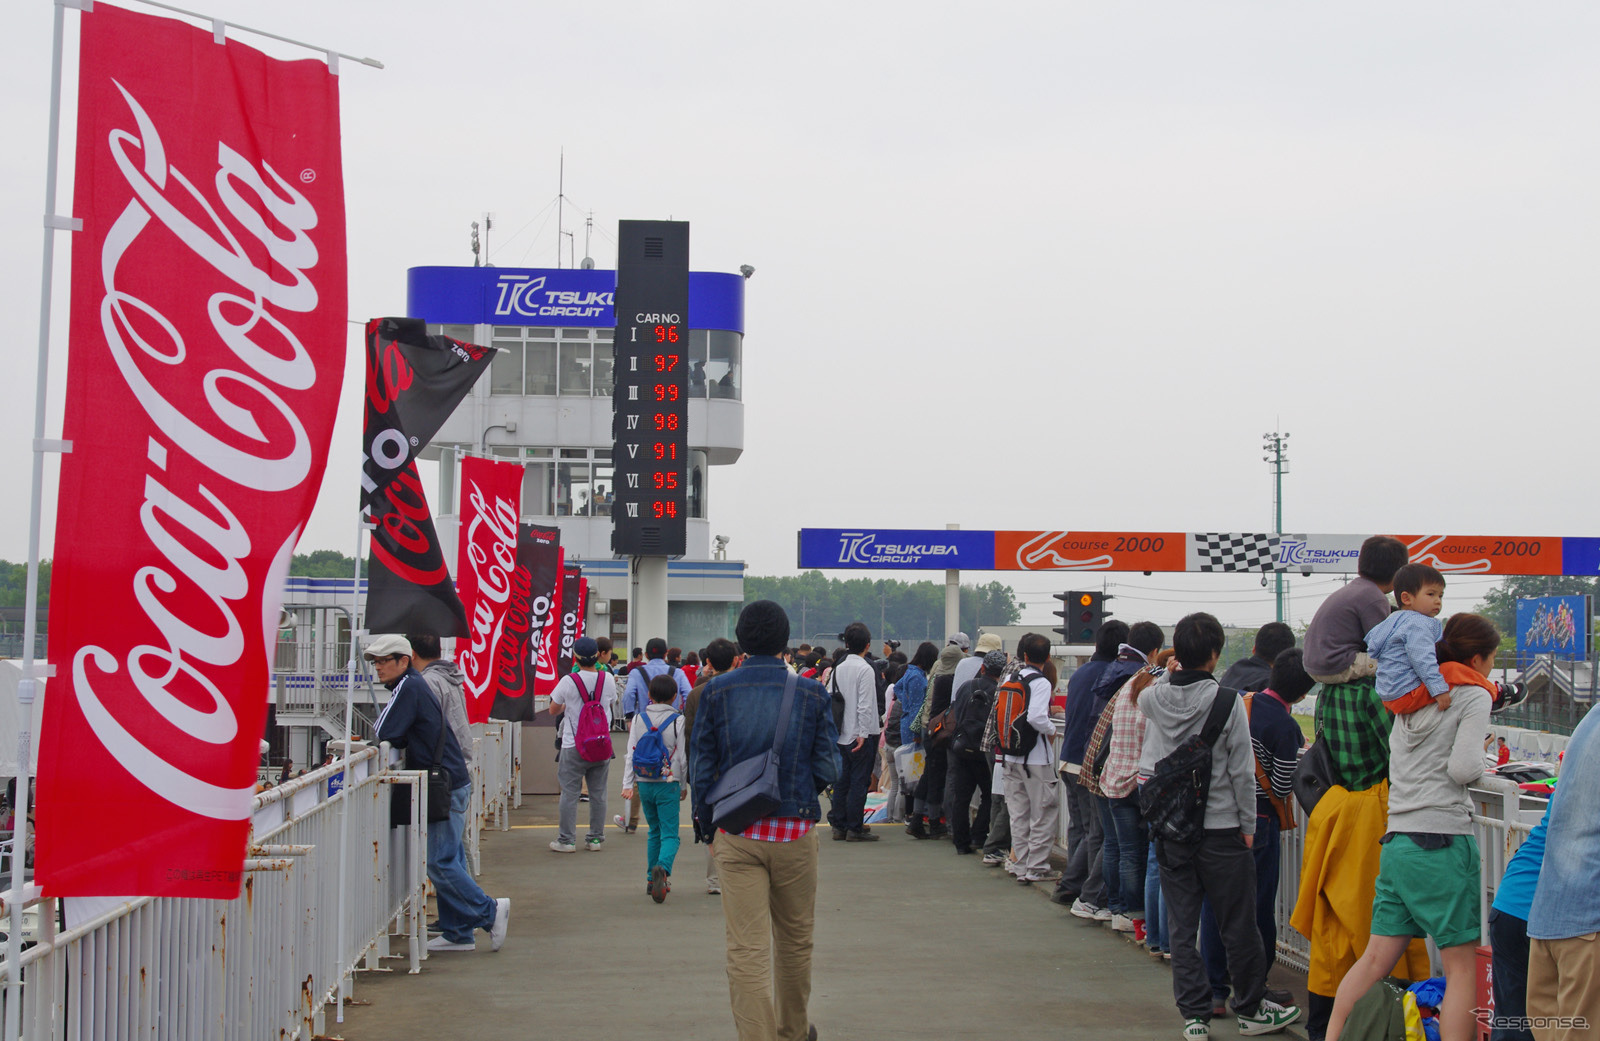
{"x":265,"y":964}
{"x":1499,"y":833}
{"x":496,"y":770}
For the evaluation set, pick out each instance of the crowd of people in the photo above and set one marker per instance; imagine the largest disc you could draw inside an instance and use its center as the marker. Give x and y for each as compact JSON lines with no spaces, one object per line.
{"x":1177,"y":787}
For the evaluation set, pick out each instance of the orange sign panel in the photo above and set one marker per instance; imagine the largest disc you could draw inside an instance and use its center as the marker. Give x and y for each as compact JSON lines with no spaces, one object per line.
{"x":1089,"y":550}
{"x":1485,"y":555}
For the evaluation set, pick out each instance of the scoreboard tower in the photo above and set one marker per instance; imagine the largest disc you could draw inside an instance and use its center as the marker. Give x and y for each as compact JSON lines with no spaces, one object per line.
{"x":650,"y":412}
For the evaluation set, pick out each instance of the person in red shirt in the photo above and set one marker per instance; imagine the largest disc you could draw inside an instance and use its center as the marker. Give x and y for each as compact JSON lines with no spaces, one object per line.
{"x":1503,"y":756}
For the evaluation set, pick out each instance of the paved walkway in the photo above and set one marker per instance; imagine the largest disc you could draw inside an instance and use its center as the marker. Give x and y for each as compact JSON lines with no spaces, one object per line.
{"x":911,"y":941}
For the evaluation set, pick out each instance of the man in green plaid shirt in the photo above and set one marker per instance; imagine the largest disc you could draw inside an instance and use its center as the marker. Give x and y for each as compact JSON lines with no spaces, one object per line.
{"x":1351,"y":719}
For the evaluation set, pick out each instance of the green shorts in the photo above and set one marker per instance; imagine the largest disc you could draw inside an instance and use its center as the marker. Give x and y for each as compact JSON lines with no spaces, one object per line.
{"x":1428,"y":892}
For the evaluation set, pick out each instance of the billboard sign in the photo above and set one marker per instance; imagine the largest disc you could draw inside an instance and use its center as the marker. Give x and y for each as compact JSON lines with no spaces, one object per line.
{"x":929,"y":549}
{"x":1555,"y":625}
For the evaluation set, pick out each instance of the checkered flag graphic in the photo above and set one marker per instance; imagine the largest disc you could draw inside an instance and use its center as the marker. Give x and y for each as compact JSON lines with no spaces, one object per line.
{"x":1234,"y":551}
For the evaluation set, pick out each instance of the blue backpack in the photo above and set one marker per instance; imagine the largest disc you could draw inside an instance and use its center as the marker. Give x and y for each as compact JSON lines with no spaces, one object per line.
{"x":651,"y":757}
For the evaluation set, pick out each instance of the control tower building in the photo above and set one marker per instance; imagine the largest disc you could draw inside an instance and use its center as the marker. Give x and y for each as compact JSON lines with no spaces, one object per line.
{"x":546,"y":404}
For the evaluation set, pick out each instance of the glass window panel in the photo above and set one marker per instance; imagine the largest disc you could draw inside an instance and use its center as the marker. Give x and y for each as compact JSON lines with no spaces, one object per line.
{"x":722,"y":366}
{"x":464,"y":333}
{"x":573,"y":490}
{"x":540,"y":453}
{"x":575,"y":367}
{"x":697,"y":363}
{"x":697,"y":498}
{"x":505,"y":371}
{"x":604,"y":379}
{"x":541,"y":368}
{"x":574,"y":453}
{"x":536,"y":479}
{"x":575,"y":334}
{"x":513,"y":331}
{"x":605,"y":334}
{"x":603,"y":454}
{"x":604,"y":488}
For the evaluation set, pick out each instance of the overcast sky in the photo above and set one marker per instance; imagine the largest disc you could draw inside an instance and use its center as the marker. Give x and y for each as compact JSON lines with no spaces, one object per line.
{"x":1170,"y":225}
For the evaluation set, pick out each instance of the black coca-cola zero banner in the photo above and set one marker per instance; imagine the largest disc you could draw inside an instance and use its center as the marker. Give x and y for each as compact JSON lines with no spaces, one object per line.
{"x":571,"y":616}
{"x":409,"y":589}
{"x":538,"y":563}
{"x":414,"y":382}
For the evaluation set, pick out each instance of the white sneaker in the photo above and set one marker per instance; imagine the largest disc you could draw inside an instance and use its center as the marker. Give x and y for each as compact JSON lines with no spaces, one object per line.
{"x":440,"y":943}
{"x":1102,"y":914}
{"x":563,"y":847}
{"x":502,"y":919}
{"x":1121,"y":923}
{"x":1196,"y":1029}
{"x":1082,"y":909}
{"x":1270,"y":1018}
{"x":595,"y":844}
{"x":713,"y":890}
{"x":619,"y":822}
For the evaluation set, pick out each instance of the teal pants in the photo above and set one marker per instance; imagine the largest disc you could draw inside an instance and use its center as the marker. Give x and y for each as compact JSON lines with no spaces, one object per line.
{"x":659,"y":800}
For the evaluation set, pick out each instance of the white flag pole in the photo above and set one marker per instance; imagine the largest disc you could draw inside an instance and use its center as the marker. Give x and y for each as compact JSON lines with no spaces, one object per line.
{"x":349,"y":711}
{"x":28,"y":685}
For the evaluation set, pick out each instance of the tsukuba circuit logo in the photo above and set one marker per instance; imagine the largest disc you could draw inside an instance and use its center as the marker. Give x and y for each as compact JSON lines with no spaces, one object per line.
{"x":221,"y":434}
{"x":856,"y":547}
{"x":525,"y":296}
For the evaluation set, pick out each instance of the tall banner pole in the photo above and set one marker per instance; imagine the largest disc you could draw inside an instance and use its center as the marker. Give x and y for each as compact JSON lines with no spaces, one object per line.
{"x":27,"y":686}
{"x":344,"y":791}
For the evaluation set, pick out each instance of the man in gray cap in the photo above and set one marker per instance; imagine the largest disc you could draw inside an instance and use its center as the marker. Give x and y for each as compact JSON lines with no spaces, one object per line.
{"x":414,"y":720}
{"x":567,"y":701}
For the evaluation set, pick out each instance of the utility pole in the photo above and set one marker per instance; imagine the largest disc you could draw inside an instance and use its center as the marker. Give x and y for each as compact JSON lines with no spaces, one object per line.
{"x":1275,"y":444}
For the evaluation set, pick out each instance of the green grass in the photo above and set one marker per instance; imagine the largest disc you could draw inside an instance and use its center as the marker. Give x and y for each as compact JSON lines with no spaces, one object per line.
{"x":1305,"y":726}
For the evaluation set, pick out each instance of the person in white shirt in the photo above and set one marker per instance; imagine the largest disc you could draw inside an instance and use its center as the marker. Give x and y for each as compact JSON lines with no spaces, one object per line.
{"x":662,"y":788}
{"x":1030,"y":780}
{"x":854,"y":681}
{"x":567,"y":701}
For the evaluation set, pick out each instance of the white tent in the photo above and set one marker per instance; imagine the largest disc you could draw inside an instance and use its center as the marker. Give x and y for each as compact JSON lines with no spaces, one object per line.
{"x":11,"y":718}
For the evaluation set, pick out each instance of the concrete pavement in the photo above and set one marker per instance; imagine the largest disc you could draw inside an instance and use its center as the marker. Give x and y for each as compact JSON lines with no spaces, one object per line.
{"x":911,"y":940}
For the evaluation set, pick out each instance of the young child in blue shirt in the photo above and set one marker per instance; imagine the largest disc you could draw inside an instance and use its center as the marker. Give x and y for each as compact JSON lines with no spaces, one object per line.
{"x":1403,"y":643}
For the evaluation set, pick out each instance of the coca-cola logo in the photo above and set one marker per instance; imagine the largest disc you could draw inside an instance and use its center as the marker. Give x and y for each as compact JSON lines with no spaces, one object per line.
{"x":491,"y":552}
{"x":512,"y":654}
{"x":227,"y":415}
{"x":404,"y":540}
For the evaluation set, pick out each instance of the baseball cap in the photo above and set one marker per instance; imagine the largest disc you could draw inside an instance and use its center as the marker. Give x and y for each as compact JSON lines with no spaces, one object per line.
{"x":387,"y":644}
{"x":960,"y":640}
{"x":988,"y":642}
{"x":585,"y":648}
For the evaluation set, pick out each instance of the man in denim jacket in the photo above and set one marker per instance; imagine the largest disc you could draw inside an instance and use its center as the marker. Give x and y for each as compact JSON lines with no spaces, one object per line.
{"x":768,"y":873}
{"x":1564,"y":922}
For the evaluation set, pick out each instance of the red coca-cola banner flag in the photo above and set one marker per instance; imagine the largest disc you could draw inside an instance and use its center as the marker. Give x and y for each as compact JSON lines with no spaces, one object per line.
{"x":547,"y":666}
{"x":538,"y":562}
{"x":206,"y":351}
{"x":583,"y":606}
{"x":491,"y":501}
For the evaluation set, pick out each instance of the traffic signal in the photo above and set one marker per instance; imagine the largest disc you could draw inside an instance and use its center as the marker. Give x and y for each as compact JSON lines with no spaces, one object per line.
{"x":1084,"y":612}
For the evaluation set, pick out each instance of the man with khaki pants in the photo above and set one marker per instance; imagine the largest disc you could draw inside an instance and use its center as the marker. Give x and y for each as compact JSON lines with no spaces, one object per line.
{"x":769,"y":871}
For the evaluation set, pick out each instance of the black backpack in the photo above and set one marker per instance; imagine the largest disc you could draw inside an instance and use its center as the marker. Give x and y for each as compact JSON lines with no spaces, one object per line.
{"x":836,"y":701}
{"x":1173,"y":800}
{"x":971,"y":711}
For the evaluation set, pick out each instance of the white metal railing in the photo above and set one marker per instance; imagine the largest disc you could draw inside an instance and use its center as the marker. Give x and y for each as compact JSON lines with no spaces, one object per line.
{"x":496,"y":770}
{"x":264,"y":964}
{"x":1498,"y":833}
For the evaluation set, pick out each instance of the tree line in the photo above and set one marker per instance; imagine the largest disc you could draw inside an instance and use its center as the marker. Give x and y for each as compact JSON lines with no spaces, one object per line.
{"x":820,"y":607}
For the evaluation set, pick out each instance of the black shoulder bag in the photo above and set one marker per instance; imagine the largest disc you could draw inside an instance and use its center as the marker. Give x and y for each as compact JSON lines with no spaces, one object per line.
{"x":749,"y":790}
{"x":439,"y":780}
